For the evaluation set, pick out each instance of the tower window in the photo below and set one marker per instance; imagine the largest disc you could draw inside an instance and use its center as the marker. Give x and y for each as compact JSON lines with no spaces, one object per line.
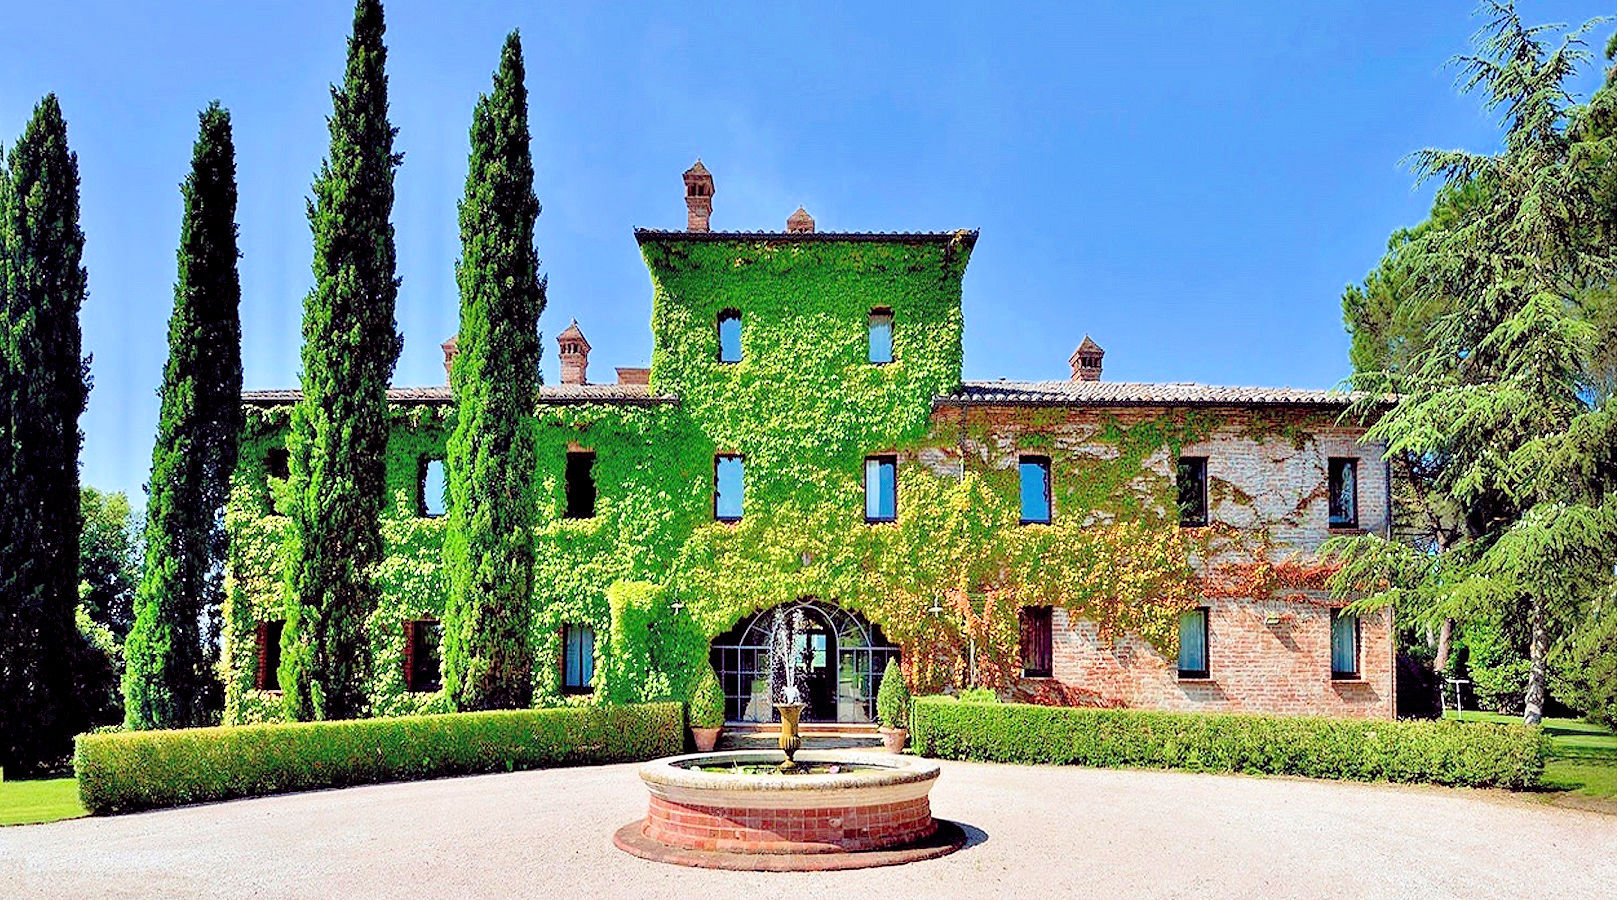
{"x":729,"y":484}
{"x":730,"y":336}
{"x":434,"y":489}
{"x":881,"y":488}
{"x":580,"y":485}
{"x":1035,"y":474}
{"x":1344,"y":491}
{"x":278,"y":463}
{"x":1191,"y":481}
{"x":881,"y":335}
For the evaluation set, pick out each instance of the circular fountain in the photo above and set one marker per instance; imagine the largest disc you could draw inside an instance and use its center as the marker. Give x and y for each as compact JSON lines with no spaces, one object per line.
{"x":792,"y":810}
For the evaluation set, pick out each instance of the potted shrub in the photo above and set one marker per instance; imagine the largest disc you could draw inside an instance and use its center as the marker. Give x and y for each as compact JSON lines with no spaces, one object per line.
{"x":707,"y":711}
{"x":893,"y":707}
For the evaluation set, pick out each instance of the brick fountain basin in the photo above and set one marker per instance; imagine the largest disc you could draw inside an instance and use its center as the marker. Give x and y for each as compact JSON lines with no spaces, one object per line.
{"x":876,"y":813}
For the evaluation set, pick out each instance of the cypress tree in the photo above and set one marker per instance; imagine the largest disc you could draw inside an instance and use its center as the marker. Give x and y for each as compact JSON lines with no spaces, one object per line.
{"x":166,"y":682}
{"x":43,"y":386}
{"x":488,"y":660}
{"x":339,"y":428}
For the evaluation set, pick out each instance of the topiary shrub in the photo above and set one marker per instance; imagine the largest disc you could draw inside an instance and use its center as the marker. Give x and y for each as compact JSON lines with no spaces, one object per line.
{"x":130,"y":771}
{"x":1476,"y":755}
{"x":707,"y":701}
{"x":893,"y":697}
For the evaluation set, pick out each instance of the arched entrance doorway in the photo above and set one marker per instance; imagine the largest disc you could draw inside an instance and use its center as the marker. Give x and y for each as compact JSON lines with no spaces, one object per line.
{"x":835,"y":659}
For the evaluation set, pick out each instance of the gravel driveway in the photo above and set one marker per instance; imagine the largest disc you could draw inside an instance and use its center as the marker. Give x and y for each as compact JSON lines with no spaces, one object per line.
{"x":1037,"y":832}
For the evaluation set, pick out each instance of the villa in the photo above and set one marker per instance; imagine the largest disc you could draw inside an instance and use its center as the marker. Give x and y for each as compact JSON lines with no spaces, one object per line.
{"x":803,"y":459}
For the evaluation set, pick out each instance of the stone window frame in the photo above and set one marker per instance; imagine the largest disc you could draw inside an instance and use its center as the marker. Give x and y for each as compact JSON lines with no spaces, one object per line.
{"x":1339,"y":614}
{"x":890,"y":459}
{"x":582,"y":685}
{"x":726,"y":315}
{"x":742,"y":459}
{"x":1192,"y":521}
{"x":1043,"y":462}
{"x":574,"y":508}
{"x":1334,"y":466}
{"x":1205,"y":673}
{"x":1037,"y":627}
{"x":879,"y":313}
{"x":423,"y":466}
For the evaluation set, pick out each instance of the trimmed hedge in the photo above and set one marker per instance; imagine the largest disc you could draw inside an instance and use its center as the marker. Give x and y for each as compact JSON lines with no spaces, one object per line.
{"x":128,"y":771}
{"x":1509,"y":756}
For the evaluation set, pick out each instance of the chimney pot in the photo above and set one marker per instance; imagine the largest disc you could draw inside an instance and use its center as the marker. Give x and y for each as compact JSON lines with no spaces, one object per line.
{"x":800,"y":222}
{"x":698,"y":197}
{"x":451,"y":348}
{"x":1086,"y":360}
{"x":575,"y":355}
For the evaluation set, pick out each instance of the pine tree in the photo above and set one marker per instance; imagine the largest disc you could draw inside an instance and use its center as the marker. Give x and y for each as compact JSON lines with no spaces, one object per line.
{"x":167,"y":680}
{"x":488,"y":660}
{"x":1501,"y":393}
{"x":339,"y":428}
{"x":43,"y":387}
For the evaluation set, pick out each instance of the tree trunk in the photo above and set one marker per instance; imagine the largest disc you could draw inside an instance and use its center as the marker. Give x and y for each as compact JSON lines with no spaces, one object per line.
{"x":1538,"y":670}
{"x":1445,"y":644}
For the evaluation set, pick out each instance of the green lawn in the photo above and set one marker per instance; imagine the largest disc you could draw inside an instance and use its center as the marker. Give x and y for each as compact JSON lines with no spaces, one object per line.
{"x":28,"y":802}
{"x":1583,"y":756}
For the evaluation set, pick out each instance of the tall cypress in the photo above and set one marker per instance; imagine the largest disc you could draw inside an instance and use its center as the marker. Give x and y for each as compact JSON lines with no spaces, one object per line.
{"x":166,"y":682}
{"x":43,"y":387}
{"x":339,"y":428}
{"x":488,"y":658}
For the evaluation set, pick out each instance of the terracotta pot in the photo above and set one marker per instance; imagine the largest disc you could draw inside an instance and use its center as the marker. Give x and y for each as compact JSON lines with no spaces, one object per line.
{"x":894,"y":739}
{"x":705,"y":738}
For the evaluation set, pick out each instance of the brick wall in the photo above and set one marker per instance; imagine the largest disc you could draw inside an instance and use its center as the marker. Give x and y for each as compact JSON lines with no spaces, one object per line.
{"x":1267,"y":473}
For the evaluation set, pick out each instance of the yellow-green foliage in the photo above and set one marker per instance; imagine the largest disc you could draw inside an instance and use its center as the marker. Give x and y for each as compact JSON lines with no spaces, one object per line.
{"x":657,"y":578}
{"x":127,"y":771}
{"x":1510,"y":756}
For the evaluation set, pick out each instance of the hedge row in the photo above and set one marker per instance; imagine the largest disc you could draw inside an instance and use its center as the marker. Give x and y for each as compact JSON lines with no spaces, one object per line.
{"x":127,"y":771}
{"x":1510,"y":756}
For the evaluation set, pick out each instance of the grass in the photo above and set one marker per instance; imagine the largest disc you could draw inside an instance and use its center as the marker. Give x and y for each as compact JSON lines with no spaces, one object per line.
{"x":31,"y":802}
{"x":1582,"y":767}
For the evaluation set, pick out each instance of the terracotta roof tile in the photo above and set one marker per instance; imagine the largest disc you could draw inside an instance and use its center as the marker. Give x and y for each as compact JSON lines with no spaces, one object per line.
{"x":627,"y":394}
{"x":652,"y":235}
{"x":1120,"y":393}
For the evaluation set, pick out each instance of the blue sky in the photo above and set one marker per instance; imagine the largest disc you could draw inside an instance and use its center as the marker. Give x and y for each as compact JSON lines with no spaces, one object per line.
{"x":1191,"y":183}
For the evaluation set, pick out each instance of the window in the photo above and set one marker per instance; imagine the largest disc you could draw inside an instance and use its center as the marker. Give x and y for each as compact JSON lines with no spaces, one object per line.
{"x":881,"y":488}
{"x":729,"y":483}
{"x":1035,"y":490}
{"x":1037,"y":650}
{"x":1193,"y":643}
{"x":434,"y":489}
{"x":1344,"y":645}
{"x":1192,"y":483}
{"x":422,"y":664}
{"x":1344,"y":484}
{"x":730,"y":336}
{"x":278,"y":463}
{"x":577,"y":659}
{"x":269,"y":655}
{"x":580,"y":485}
{"x":881,"y":335}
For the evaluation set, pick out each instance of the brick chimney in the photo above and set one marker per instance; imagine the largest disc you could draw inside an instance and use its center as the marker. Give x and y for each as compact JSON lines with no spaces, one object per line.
{"x":1086,"y":360}
{"x":800,"y":222}
{"x":451,"y":347}
{"x":575,"y":354}
{"x":698,"y":197}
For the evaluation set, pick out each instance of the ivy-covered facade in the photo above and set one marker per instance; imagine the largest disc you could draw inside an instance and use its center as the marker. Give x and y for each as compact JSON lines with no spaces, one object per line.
{"x":804,"y":440}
